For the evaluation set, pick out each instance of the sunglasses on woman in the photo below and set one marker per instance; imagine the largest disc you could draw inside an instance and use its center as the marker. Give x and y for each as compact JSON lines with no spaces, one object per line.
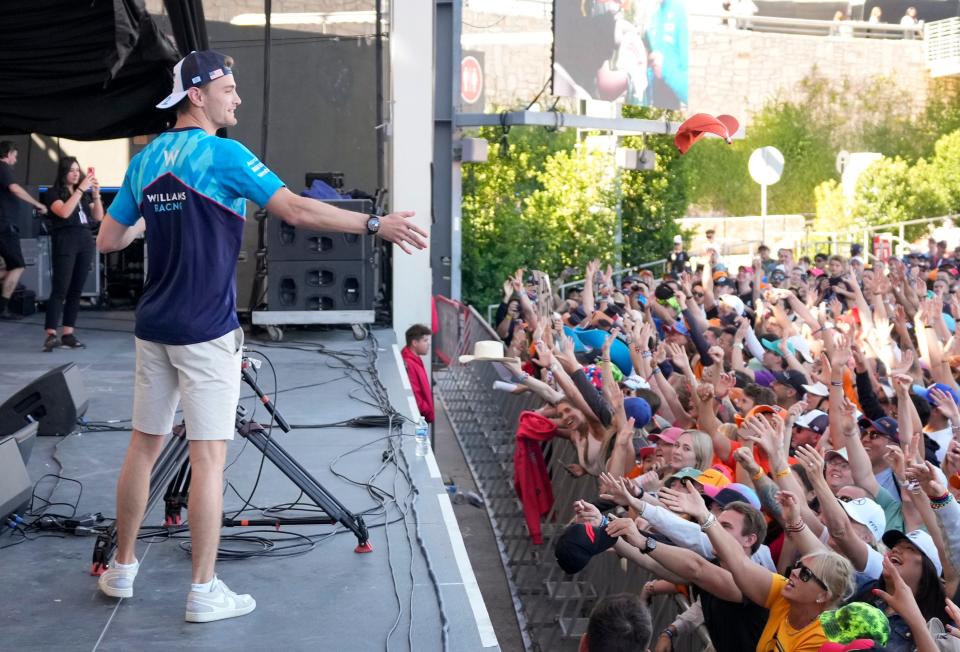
{"x":804,"y":574}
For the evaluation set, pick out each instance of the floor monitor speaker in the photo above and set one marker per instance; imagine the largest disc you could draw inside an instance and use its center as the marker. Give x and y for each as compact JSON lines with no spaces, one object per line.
{"x":55,"y":400}
{"x":14,"y":480}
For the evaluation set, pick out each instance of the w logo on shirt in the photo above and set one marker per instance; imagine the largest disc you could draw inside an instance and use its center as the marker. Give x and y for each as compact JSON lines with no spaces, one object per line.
{"x":170,"y":156}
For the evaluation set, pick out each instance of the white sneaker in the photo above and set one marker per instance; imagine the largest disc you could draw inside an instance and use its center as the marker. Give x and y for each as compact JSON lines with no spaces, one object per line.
{"x":218,"y":604}
{"x":118,"y":582}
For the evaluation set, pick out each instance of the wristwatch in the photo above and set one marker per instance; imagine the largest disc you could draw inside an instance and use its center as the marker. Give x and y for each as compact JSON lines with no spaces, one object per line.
{"x":373,"y":225}
{"x":650,"y":546}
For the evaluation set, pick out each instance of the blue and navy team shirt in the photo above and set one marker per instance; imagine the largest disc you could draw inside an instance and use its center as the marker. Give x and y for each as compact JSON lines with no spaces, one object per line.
{"x":190,"y":188}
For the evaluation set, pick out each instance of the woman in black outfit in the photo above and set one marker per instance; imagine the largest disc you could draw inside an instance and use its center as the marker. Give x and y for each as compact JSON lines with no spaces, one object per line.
{"x":75,"y":207}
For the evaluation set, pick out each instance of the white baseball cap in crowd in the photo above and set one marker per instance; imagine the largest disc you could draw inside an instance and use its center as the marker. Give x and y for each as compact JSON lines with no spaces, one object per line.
{"x":734,"y":302}
{"x":866,"y":512}
{"x":920,"y":540}
{"x":817,"y":389}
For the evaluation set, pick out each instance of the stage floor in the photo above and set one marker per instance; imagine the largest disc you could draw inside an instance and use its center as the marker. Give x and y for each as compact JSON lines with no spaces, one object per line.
{"x":327,"y":599}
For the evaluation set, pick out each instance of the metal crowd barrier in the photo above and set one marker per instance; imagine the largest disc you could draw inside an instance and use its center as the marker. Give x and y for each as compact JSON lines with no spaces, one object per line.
{"x":552,"y":607}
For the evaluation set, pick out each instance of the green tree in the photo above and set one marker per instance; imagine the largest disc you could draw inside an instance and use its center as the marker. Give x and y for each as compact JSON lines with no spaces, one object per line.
{"x":547,"y":203}
{"x":721,"y":180}
{"x":832,"y":214}
{"x":944,"y":166}
{"x":495,"y":238}
{"x":891,"y":191}
{"x":571,"y":218}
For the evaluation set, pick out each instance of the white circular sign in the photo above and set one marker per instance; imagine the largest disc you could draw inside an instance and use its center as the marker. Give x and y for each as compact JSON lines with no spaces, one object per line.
{"x":766,"y":165}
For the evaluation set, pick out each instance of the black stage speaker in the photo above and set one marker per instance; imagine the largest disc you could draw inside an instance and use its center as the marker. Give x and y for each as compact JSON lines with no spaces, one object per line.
{"x":55,"y":399}
{"x":14,"y":480}
{"x":24,"y":217}
{"x":285,"y":242}
{"x":290,"y":243}
{"x":37,"y":276}
{"x":314,"y":270}
{"x":320,"y":285}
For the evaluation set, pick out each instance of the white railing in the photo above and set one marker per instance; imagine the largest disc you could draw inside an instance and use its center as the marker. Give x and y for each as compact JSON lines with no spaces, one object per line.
{"x":942,"y":40}
{"x":809,"y":27}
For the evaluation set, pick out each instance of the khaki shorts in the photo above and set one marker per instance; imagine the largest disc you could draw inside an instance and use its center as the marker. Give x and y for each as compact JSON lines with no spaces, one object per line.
{"x":203,"y":378}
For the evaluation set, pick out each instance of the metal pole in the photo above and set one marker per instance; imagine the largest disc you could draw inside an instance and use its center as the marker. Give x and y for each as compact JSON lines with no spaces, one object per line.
{"x":267,"y":41}
{"x":618,"y":235}
{"x":763,"y":213}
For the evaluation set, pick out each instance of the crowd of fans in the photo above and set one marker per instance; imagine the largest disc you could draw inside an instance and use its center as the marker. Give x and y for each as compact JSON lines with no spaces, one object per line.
{"x":780,"y":442}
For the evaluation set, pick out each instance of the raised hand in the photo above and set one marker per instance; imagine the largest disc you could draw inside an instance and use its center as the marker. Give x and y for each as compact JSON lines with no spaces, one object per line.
{"x":507,"y":289}
{"x":615,"y":490}
{"x":906,"y":363}
{"x":946,"y":405}
{"x":516,"y":281}
{"x":626,"y":529}
{"x":812,"y":462}
{"x":898,"y":595}
{"x":893,"y":456}
{"x":605,"y":351}
{"x":769,"y":438}
{"x":744,"y":457}
{"x":544,"y":356}
{"x":954,"y":612}
{"x":585,"y":512}
{"x":685,"y":500}
{"x":704,"y":392}
{"x":925,"y":474}
{"x":678,"y":356}
{"x":788,"y":506}
{"x":625,"y":434}
{"x":743,"y":327}
{"x":798,"y":408}
{"x":841,"y":351}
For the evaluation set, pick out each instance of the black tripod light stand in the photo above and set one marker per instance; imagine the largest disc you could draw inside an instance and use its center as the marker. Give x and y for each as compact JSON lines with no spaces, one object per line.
{"x":170,"y":479}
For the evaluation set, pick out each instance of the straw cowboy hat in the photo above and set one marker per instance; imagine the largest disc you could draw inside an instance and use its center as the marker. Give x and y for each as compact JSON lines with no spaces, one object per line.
{"x":487,"y":351}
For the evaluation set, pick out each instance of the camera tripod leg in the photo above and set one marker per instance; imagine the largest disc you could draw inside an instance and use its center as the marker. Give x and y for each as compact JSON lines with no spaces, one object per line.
{"x":310,"y":486}
{"x":176,"y":497}
{"x":170,"y":465}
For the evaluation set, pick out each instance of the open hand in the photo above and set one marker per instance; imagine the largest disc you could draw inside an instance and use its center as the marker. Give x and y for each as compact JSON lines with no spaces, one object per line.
{"x":626,"y":529}
{"x":788,"y":506}
{"x":401,"y":231}
{"x":812,"y":462}
{"x":615,"y":490}
{"x":585,"y":512}
{"x":898,"y":596}
{"x":685,"y":500}
{"x":946,"y":405}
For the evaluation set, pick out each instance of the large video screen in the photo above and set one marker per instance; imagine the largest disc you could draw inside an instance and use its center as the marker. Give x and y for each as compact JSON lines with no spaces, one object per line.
{"x":629,"y":51}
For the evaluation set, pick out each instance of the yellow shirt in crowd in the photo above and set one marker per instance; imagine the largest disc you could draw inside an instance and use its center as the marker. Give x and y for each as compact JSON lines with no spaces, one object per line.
{"x":778,"y":635}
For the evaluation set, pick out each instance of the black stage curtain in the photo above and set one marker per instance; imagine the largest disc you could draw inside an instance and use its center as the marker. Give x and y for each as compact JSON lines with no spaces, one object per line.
{"x":82,"y":69}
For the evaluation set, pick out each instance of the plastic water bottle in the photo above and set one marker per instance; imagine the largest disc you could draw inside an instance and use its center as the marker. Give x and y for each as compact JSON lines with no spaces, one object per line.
{"x":422,"y":435}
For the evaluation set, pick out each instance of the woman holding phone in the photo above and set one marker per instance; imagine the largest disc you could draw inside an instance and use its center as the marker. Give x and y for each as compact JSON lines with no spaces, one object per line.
{"x":75,"y":208}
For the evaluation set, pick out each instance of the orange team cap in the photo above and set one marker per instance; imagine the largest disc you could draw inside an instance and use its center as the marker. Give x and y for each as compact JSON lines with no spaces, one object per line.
{"x":762,"y":409}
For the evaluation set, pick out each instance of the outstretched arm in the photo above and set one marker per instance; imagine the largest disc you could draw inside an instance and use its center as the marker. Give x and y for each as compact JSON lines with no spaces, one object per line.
{"x":750,"y":577}
{"x":315,"y":215}
{"x":687,"y":565}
